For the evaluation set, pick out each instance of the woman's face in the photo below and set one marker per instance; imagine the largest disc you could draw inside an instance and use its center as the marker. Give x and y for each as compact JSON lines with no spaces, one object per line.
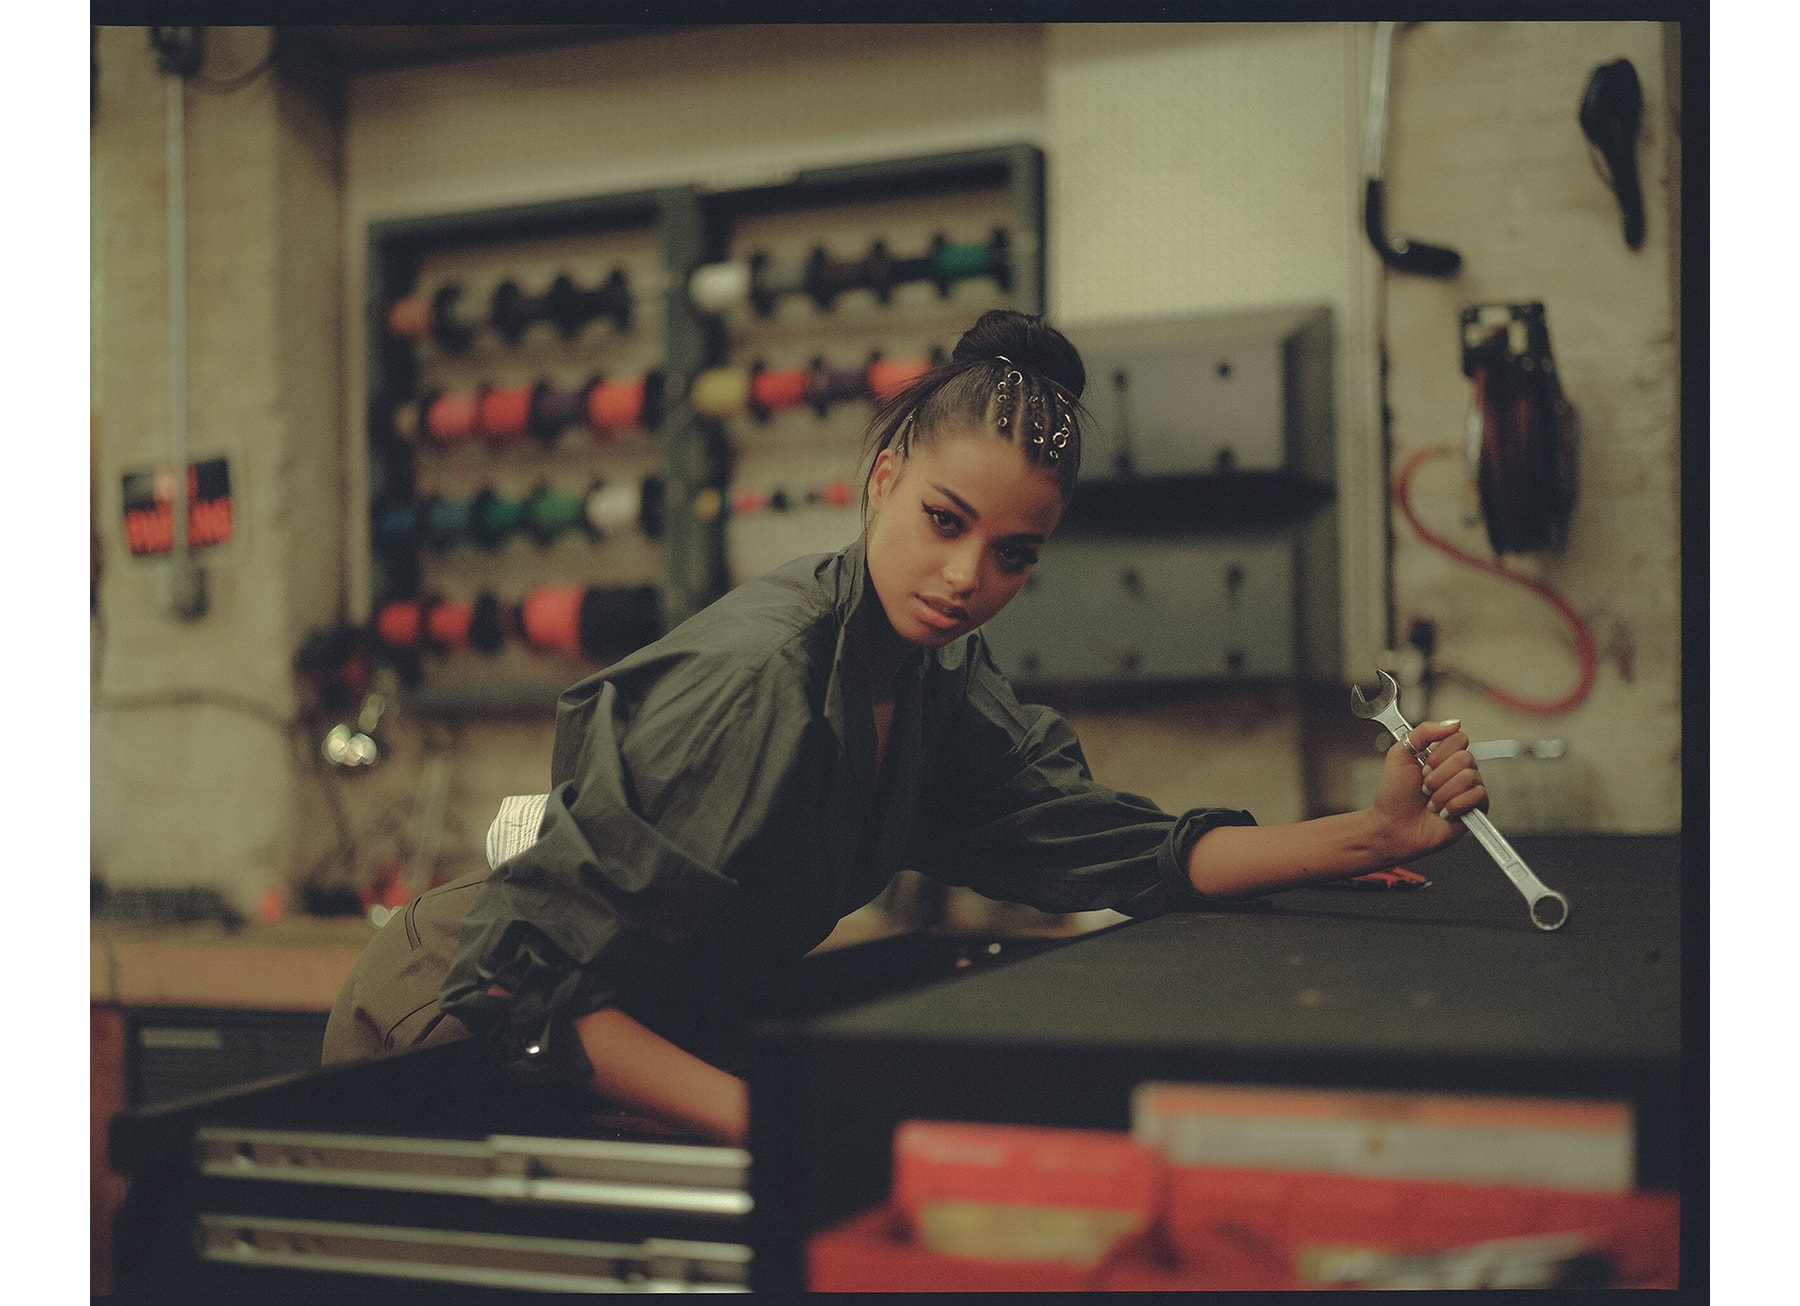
{"x":956,"y":528}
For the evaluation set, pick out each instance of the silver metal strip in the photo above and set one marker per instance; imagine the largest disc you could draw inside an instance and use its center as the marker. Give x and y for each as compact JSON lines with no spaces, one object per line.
{"x":689,"y":1179}
{"x":472,"y":1257}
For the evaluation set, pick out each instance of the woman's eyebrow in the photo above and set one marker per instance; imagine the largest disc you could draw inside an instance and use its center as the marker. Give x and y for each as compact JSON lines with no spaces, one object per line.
{"x":957,"y":499}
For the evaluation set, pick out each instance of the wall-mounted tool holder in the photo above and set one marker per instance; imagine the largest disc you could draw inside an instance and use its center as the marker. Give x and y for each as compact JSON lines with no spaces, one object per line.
{"x":1522,"y":436}
{"x":1201,"y":544}
{"x":830,"y":291}
{"x":589,"y":418}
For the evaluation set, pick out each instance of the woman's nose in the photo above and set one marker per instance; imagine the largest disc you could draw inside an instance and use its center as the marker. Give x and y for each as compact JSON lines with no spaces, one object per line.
{"x":961,"y":569}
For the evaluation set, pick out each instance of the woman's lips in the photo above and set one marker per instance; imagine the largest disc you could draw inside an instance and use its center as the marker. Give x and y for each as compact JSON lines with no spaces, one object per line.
{"x":943,"y":615}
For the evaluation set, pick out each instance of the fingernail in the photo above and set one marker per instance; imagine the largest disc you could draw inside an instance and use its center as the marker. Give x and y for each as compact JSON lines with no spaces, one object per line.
{"x":1426,"y":790}
{"x":1452,"y":725}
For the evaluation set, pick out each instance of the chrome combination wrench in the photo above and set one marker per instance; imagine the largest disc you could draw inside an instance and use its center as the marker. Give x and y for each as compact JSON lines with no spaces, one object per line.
{"x":1549,"y":909}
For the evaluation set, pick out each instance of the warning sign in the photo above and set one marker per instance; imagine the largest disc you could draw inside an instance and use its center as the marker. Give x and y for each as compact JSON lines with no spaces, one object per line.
{"x":150,"y":508}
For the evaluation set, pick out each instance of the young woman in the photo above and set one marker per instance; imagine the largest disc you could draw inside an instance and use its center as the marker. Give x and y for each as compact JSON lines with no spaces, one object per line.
{"x":721,"y":798}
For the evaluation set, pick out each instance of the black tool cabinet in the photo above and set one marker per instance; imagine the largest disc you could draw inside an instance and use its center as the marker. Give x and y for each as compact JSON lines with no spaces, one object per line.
{"x":1447,"y":989}
{"x":429,"y":1170}
{"x":365,"y":1175}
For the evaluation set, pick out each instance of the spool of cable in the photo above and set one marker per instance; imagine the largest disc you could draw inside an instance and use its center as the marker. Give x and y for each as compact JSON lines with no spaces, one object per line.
{"x":487,"y":627}
{"x":720,"y":391}
{"x":827,"y":278}
{"x":447,"y":625}
{"x":614,"y":508}
{"x":398,"y":623}
{"x":420,"y":315}
{"x":506,"y":412}
{"x":1525,"y":474}
{"x":617,"y":404}
{"x":833,"y":494}
{"x":493,"y":520}
{"x":547,"y":514}
{"x":550,"y":618}
{"x":453,"y":417}
{"x":771,"y":281}
{"x":709,"y":505}
{"x":410,"y":317}
{"x":397,"y":525}
{"x":572,"y":308}
{"x":719,"y":288}
{"x":956,"y":263}
{"x":888,"y":377}
{"x":511,"y":311}
{"x":747,"y":503}
{"x":826,"y":386}
{"x":557,"y":410}
{"x":773,"y":392}
{"x":447,"y":522}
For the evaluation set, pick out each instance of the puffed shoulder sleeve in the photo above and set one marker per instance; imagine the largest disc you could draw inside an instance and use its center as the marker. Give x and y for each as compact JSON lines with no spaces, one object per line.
{"x":660,"y":785}
{"x":1017,"y":816}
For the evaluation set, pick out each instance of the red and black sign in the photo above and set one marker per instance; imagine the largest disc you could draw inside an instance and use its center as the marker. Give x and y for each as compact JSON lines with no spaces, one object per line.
{"x":150,"y":510}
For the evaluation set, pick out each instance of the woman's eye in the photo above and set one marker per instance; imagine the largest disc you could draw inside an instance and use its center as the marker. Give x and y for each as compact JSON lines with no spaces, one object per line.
{"x":1015,"y":558}
{"x":947,"y":523}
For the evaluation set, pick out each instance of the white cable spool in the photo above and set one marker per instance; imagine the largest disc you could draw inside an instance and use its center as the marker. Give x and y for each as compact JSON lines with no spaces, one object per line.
{"x":720,"y":287}
{"x":616,"y":507}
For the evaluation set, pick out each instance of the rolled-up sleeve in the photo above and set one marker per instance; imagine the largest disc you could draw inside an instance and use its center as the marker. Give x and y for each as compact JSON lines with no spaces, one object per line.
{"x":1015,"y":814}
{"x":654,"y":800}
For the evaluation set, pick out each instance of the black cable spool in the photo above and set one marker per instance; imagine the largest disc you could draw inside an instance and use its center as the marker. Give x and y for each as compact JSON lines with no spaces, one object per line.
{"x":572,"y":308}
{"x":447,"y":329}
{"x":1525,"y":474}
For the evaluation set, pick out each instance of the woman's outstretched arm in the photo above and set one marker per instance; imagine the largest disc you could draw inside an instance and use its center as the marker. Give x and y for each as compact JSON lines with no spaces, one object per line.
{"x":1413,"y":813}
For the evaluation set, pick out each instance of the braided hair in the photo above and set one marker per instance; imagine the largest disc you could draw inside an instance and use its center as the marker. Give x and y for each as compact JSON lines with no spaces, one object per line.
{"x":1012,"y":374}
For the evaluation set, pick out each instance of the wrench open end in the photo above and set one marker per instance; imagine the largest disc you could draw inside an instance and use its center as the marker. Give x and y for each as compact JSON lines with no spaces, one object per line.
{"x":1368,"y":708}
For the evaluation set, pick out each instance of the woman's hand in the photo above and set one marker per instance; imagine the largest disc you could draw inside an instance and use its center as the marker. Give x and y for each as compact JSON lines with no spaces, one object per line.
{"x":1419,"y":812}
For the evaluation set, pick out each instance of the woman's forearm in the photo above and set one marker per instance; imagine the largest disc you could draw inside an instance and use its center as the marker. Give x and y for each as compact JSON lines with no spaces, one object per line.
{"x":638,"y":1068}
{"x":1243,"y":861}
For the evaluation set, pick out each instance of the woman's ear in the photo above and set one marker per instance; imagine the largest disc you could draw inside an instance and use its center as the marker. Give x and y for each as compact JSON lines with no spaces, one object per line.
{"x":882,"y":477}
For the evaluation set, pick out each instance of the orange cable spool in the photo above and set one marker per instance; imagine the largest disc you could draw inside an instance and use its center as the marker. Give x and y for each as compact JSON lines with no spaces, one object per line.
{"x":615,"y":405}
{"x":774,"y":391}
{"x":453,"y":416}
{"x":410,"y":317}
{"x":506,"y":414}
{"x":888,"y":378}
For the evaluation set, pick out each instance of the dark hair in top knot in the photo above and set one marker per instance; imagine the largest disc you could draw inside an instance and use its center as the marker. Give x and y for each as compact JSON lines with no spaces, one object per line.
{"x":1012,"y":374}
{"x":1030,"y":342}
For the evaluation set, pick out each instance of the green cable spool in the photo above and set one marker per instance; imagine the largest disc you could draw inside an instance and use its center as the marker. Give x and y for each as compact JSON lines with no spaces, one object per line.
{"x":496,"y":519}
{"x":548,"y":514}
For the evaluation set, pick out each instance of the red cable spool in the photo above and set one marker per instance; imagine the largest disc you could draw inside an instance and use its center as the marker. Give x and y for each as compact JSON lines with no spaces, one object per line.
{"x":447,"y":624}
{"x":505,"y":414}
{"x":746,"y":502}
{"x":773,"y":392}
{"x":614,"y":406}
{"x":453,"y":417}
{"x":550,"y":618}
{"x":888,"y":378}
{"x":834,"y":495}
{"x":398,"y":623}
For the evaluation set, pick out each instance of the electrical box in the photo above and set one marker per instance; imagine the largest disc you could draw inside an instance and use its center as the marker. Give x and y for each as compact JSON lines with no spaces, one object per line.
{"x":1131,"y":610}
{"x":1201,"y":541}
{"x":1215,"y":395}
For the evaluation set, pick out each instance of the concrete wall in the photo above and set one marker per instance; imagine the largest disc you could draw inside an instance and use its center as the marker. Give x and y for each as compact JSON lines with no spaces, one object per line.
{"x":1192,"y":168}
